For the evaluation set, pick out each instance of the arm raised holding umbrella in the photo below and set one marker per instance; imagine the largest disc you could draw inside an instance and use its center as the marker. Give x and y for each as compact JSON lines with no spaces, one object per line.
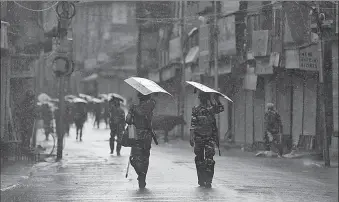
{"x":140,"y":116}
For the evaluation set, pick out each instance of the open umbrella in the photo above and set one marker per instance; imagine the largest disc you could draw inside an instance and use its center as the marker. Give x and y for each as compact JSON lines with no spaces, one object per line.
{"x":206,"y":89}
{"x":122,"y":99}
{"x":96,"y":100}
{"x":145,"y":86}
{"x":79,"y":100}
{"x":43,"y":97}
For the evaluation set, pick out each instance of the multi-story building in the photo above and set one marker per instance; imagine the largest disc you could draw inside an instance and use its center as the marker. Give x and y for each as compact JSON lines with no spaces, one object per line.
{"x":22,"y":33}
{"x":104,"y":35}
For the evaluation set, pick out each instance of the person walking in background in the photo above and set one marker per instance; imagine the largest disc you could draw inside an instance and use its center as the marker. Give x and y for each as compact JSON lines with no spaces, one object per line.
{"x":203,"y":137}
{"x":97,"y":114}
{"x":106,"y":114}
{"x":47,"y":117}
{"x":273,"y":128}
{"x":141,"y":117}
{"x":117,"y":124}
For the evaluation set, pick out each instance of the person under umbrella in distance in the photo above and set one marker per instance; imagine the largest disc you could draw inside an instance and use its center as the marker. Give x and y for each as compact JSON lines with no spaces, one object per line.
{"x":116,"y":123}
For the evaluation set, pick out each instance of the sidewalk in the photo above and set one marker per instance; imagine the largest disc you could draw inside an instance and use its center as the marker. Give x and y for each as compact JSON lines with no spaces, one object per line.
{"x":306,"y":158}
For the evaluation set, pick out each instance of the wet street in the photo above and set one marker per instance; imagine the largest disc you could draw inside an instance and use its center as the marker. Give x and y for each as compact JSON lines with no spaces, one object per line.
{"x":89,"y":173}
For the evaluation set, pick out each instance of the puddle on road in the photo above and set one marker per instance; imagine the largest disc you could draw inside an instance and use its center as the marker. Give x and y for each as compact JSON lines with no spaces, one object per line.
{"x":181,"y":162}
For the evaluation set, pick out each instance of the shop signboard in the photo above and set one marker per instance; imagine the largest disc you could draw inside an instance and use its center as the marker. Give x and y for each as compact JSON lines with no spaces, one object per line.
{"x":309,"y":58}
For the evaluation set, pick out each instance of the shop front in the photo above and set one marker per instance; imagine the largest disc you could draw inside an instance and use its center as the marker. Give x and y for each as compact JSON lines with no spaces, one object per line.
{"x":302,"y":67}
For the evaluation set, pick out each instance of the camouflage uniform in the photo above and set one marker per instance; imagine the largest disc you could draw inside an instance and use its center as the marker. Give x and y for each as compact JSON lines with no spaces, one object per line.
{"x":117,"y":125}
{"x":273,"y":126}
{"x":204,"y":131}
{"x":141,"y":116}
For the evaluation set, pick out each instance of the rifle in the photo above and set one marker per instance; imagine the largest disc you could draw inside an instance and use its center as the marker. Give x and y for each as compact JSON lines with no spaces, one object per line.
{"x":217,"y":136}
{"x":217,"y":140}
{"x":154,"y":138}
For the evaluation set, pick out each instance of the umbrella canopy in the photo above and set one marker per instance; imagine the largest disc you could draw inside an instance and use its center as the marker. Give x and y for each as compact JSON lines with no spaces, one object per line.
{"x":104,"y":96}
{"x":70,"y":96}
{"x":85,"y":96}
{"x":145,"y":86}
{"x":110,"y":95}
{"x":206,"y":89}
{"x":43,"y":97}
{"x":96,"y":100}
{"x":79,"y":100}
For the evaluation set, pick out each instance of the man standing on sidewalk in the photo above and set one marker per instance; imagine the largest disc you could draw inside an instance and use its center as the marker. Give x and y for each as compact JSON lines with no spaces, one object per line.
{"x":203,"y":137}
{"x":116,"y":123}
{"x":273,"y":129}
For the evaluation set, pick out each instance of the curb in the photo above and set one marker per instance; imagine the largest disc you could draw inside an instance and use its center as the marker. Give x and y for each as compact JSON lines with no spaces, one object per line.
{"x":34,"y":169}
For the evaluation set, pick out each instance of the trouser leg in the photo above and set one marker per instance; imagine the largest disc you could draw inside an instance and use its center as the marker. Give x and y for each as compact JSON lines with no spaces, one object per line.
{"x":267,"y":142}
{"x":199,"y":161}
{"x":118,"y":148}
{"x":209,"y":162}
{"x":140,"y":162}
{"x":111,"y":141}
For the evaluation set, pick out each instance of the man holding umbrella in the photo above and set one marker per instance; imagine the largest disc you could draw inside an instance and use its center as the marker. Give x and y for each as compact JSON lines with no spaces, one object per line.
{"x":141,"y":117}
{"x":204,"y":133}
{"x":116,"y":123}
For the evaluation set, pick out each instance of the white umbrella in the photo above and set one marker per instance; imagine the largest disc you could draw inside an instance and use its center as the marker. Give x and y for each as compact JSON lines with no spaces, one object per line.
{"x":43,"y":97}
{"x":206,"y":89}
{"x":145,"y":86}
{"x":70,"y":96}
{"x":96,"y":100}
{"x":79,"y":100}
{"x":104,"y":96}
{"x":117,"y":96}
{"x":85,"y":96}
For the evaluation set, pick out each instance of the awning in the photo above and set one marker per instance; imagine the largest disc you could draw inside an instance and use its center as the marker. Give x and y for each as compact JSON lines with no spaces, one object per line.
{"x":90,"y":78}
{"x":192,"y":55}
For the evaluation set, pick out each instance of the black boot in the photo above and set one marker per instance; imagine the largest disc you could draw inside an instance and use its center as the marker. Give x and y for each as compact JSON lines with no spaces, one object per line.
{"x":111,"y":144}
{"x":142,"y":181}
{"x":118,"y":149}
{"x":209,"y":172}
{"x":201,"y":173}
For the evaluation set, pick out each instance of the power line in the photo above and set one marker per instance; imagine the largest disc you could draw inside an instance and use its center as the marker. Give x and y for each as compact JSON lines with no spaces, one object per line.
{"x":45,"y":9}
{"x":189,"y":17}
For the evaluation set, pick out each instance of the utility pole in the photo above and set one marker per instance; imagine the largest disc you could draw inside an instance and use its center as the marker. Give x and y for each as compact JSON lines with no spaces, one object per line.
{"x":216,"y":70}
{"x":183,"y":67}
{"x":323,"y":88}
{"x":65,"y":11}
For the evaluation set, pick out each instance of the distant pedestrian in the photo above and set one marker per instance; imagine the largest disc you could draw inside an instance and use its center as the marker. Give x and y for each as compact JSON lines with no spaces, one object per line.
{"x":106,"y":114}
{"x":204,"y":137}
{"x":97,"y":114}
{"x":47,"y":117}
{"x":273,"y":128}
{"x":117,"y":124}
{"x":141,"y":117}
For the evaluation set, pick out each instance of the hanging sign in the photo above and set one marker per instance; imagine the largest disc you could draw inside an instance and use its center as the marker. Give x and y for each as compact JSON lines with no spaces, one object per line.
{"x":309,"y":58}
